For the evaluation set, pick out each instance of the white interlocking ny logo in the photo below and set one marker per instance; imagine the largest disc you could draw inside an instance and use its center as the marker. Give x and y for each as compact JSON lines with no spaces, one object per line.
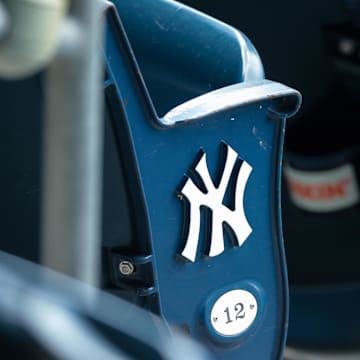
{"x":213,"y":198}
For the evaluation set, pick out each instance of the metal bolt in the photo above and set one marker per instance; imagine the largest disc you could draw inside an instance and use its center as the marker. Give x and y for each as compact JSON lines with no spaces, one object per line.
{"x":347,"y":46}
{"x":126,"y":267}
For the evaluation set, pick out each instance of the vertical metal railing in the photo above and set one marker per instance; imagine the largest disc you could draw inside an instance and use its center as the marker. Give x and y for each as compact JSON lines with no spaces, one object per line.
{"x":4,"y":21}
{"x":28,"y":32}
{"x":30,"y":41}
{"x":66,"y":36}
{"x":73,"y":147}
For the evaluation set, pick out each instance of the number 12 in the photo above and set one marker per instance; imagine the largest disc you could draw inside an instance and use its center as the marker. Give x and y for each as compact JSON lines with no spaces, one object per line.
{"x":238,"y":309}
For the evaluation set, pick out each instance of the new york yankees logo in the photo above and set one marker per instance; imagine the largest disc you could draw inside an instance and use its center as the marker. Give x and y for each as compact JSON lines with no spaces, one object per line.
{"x":213,"y":198}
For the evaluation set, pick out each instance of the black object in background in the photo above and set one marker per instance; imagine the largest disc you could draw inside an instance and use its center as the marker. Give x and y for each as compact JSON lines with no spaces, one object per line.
{"x":288,"y":36}
{"x":326,"y":137}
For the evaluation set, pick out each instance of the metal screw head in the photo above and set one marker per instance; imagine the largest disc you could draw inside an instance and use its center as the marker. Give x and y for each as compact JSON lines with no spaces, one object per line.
{"x":126,"y":267}
{"x":347,"y":46}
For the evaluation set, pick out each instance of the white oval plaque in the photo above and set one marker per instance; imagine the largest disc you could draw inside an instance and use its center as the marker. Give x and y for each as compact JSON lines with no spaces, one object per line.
{"x":233,"y":312}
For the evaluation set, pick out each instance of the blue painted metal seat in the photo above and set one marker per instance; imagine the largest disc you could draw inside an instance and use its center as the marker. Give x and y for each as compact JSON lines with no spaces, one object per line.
{"x":194,"y":143}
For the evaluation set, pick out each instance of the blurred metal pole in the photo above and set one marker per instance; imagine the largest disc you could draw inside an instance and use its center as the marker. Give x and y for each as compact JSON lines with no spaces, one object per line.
{"x":28,"y":35}
{"x":4,"y":20}
{"x":71,"y":211}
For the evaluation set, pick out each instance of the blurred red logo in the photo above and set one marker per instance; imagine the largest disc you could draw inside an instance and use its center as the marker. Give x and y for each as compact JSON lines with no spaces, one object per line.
{"x":326,"y":191}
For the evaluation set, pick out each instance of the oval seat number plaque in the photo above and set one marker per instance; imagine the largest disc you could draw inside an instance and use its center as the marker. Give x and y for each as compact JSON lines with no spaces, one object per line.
{"x":234,"y":312}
